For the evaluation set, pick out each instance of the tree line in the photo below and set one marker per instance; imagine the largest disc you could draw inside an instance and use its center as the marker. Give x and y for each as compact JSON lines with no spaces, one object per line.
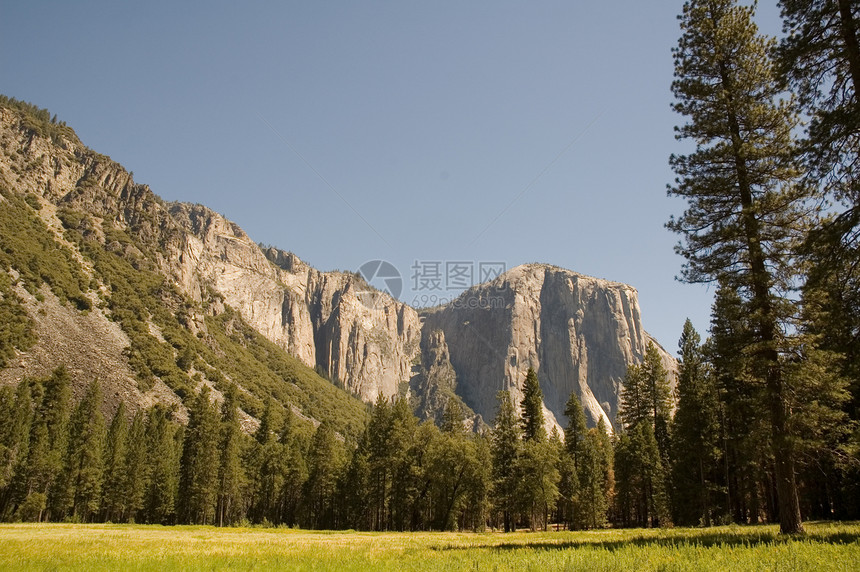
{"x":708,"y":463}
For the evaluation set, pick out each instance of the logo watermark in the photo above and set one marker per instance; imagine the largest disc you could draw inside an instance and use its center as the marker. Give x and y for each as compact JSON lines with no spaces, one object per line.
{"x":433,"y":282}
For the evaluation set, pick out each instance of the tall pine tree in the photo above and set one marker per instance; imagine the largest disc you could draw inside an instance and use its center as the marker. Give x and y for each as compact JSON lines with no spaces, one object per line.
{"x":230,"y":474}
{"x":506,"y":452}
{"x":113,"y":494}
{"x":532,"y":408}
{"x":745,"y":208}
{"x":84,"y":464}
{"x":198,"y":485}
{"x":695,"y":435}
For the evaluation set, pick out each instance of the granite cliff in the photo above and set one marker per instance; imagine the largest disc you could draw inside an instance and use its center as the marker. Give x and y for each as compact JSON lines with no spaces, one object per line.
{"x":578,"y":333}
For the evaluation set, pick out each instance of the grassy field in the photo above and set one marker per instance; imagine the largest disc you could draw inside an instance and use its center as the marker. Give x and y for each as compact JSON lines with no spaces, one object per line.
{"x":827,"y":546}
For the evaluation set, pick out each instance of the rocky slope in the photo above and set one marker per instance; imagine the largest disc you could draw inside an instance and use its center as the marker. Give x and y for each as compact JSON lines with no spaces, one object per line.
{"x":579,"y":333}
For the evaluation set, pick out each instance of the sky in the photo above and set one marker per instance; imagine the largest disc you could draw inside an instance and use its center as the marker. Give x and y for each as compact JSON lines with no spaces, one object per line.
{"x":443,"y":136}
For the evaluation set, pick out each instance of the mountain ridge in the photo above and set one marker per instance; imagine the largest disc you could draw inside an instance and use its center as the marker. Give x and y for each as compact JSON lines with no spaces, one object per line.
{"x":360,"y":338}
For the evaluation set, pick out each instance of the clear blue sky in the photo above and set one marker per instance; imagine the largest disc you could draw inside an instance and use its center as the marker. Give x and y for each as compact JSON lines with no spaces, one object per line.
{"x":348,"y":131}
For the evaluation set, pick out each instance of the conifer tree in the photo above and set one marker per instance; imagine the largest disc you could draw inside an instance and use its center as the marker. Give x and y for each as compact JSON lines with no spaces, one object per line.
{"x":572,"y":460}
{"x":452,"y":417}
{"x":745,"y":434}
{"x":592,"y":480}
{"x":48,"y":441}
{"x":538,"y":480}
{"x":506,"y":452}
{"x":576,"y":430}
{"x":198,"y":485}
{"x":230,"y":474}
{"x":113,"y":494}
{"x":641,"y":496}
{"x":325,"y":462}
{"x":401,"y":456}
{"x":265,"y":466}
{"x":634,"y":407}
{"x":135,"y":473}
{"x":355,"y":486}
{"x":695,"y":434}
{"x":745,"y":206}
{"x":294,"y":471}
{"x":16,"y":417}
{"x":380,"y":428}
{"x":820,"y":58}
{"x":164,"y":450}
{"x":532,"y":409}
{"x":659,"y":398}
{"x":538,"y":474}
{"x":84,"y":463}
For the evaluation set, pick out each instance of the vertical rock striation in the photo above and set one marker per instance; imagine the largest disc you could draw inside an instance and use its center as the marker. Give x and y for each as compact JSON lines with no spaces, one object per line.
{"x":361,"y":339}
{"x":579,"y":333}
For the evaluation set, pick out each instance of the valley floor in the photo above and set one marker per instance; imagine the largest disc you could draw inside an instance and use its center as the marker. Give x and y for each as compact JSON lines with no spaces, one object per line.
{"x":826,"y":546}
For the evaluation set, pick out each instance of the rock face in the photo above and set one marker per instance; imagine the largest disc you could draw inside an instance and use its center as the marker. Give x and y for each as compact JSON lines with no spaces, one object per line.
{"x":578,"y":333}
{"x":332,"y":321}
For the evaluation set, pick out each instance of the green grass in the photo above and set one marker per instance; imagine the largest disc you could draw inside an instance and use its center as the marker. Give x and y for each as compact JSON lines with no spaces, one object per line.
{"x":827,"y":546}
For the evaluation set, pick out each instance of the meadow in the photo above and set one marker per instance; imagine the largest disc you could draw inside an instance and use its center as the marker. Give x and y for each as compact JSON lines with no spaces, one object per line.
{"x":826,"y":546}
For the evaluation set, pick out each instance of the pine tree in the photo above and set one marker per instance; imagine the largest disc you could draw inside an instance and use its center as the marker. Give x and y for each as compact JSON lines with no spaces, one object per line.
{"x":294,"y":471}
{"x":695,"y":434}
{"x":113,"y":494}
{"x":452,"y":418}
{"x":646,"y":397}
{"x":15,"y":421}
{"x":572,"y":460}
{"x":745,"y":208}
{"x":659,"y":398}
{"x":135,"y":474}
{"x":83,"y":473}
{"x":634,"y":407}
{"x":401,"y":459}
{"x":606,"y":457}
{"x":576,"y":430}
{"x":380,"y":428}
{"x":164,"y":450}
{"x":325,"y":462}
{"x":532,"y":409}
{"x":506,"y":452}
{"x":355,"y":487}
{"x":198,"y":485}
{"x":538,"y":478}
{"x":641,"y":496}
{"x":230,"y":474}
{"x":745,"y":434}
{"x":38,"y":483}
{"x":270,"y":423}
{"x":266,"y":465}
{"x":820,"y":58}
{"x":592,"y":479}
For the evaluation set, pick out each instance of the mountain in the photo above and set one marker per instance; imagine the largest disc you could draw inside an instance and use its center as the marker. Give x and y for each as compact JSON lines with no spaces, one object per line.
{"x":578,"y":333}
{"x":157,"y":298}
